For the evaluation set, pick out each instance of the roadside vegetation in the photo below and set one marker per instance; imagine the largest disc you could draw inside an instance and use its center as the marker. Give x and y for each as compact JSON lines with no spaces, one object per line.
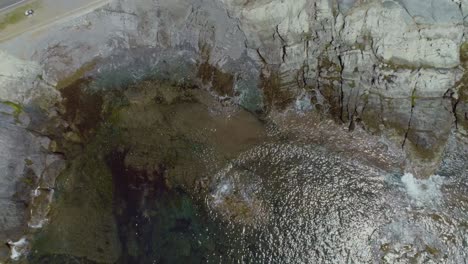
{"x":16,"y":15}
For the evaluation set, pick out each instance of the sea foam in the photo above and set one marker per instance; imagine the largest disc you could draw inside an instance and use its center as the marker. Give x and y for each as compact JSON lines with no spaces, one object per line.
{"x":423,"y":191}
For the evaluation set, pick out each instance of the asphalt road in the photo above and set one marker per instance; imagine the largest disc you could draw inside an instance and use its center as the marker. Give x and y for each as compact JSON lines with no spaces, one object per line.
{"x":49,"y":12}
{"x":5,"y":4}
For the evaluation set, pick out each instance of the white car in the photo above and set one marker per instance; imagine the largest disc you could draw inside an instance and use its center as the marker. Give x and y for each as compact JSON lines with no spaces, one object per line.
{"x":29,"y":12}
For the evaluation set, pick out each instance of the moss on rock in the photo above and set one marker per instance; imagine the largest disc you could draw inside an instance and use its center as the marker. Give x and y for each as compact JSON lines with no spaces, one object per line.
{"x":162,"y":135}
{"x":221,"y":82}
{"x":82,"y":222}
{"x":275,"y":93}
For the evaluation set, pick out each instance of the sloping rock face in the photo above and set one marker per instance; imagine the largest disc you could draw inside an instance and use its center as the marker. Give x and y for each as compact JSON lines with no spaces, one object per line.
{"x":400,"y":69}
{"x":25,"y":165}
{"x":396,"y":68}
{"x":392,"y":67}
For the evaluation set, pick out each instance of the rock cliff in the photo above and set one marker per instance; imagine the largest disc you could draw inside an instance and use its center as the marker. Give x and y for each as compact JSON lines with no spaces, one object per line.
{"x":393,"y":68}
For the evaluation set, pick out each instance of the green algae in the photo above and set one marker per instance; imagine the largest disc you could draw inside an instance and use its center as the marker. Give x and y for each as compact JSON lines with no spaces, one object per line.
{"x":307,"y":36}
{"x":464,"y":225}
{"x":58,"y":259}
{"x":395,"y":125}
{"x":372,"y":118}
{"x":461,"y":107}
{"x":432,"y":250}
{"x":221,"y":82}
{"x":82,"y":109}
{"x":160,"y":134}
{"x":385,"y":248}
{"x":326,"y":64}
{"x":82,"y":223}
{"x":275,"y":92}
{"x":28,"y":181}
{"x":330,"y":78}
{"x":395,"y":66}
{"x":17,"y":108}
{"x":464,"y":54}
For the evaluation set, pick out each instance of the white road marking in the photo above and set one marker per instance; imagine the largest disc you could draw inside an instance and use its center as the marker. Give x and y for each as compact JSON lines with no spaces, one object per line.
{"x":12,"y":5}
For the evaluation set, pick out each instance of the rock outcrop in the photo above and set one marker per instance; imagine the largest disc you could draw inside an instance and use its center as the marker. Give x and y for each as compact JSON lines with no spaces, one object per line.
{"x":400,"y":69}
{"x":394,"y":68}
{"x":25,"y":165}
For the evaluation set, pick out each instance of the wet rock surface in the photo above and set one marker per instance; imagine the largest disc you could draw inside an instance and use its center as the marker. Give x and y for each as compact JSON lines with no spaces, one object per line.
{"x":345,"y":204}
{"x":23,"y":159}
{"x":394,"y":65}
{"x":148,"y":188}
{"x":140,"y":98}
{"x":154,"y":141}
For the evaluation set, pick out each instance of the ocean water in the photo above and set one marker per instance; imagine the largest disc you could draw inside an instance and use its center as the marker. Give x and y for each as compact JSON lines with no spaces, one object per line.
{"x":174,"y":177}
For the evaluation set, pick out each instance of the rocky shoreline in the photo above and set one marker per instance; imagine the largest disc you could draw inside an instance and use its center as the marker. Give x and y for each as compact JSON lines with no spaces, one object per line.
{"x":350,"y":59}
{"x":388,"y":78}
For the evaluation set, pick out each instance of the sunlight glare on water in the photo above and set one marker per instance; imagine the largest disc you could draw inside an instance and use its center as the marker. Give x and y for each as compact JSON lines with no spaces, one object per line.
{"x":318,"y":207}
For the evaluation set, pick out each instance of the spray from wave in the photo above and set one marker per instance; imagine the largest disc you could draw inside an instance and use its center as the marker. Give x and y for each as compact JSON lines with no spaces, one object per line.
{"x":423,"y":192}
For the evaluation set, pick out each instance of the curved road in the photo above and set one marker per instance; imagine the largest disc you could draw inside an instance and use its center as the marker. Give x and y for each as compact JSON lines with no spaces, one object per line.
{"x":48,"y":12}
{"x":6,"y":4}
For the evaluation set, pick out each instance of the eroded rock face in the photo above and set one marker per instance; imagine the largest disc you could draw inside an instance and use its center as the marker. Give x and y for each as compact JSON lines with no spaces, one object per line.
{"x":386,"y":65}
{"x":403,"y":60}
{"x":18,"y":73}
{"x":394,"y":68}
{"x":23,"y":160}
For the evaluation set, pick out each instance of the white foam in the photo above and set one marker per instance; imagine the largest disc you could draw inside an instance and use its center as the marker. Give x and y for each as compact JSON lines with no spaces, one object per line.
{"x":18,"y":248}
{"x":423,"y":191}
{"x":38,"y":224}
{"x":36,"y":192}
{"x":222,"y":190}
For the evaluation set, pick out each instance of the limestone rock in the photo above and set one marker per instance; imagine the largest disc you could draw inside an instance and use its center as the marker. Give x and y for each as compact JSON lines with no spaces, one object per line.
{"x":16,"y":77}
{"x":369,"y":62}
{"x":433,"y":11}
{"x":398,"y":39}
{"x":395,"y":67}
{"x":399,"y":61}
{"x":22,"y":162}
